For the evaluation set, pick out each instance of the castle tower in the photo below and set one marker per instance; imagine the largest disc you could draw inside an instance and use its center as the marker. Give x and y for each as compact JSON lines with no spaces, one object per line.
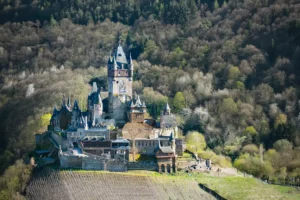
{"x":75,"y":114}
{"x":120,"y":74}
{"x":137,"y":111}
{"x":95,"y":105}
{"x":98,"y":106}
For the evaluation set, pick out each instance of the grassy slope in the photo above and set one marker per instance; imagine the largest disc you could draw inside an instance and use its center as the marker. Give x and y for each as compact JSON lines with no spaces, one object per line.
{"x":247,"y":188}
{"x":233,"y":187}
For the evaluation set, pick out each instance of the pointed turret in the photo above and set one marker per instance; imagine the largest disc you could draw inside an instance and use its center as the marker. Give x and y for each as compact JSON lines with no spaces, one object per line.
{"x":75,"y":106}
{"x":138,"y":101}
{"x":121,"y":58}
{"x":54,"y":111}
{"x":167,"y":110}
{"x":95,"y":88}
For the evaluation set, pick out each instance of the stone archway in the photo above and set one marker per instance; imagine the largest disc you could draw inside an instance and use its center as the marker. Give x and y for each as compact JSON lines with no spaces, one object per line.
{"x":163,"y":169}
{"x":168,"y":168}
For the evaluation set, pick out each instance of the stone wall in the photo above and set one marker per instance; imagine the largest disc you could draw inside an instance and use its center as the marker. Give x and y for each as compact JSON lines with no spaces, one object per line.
{"x":185,"y":164}
{"x":116,"y":166}
{"x":70,"y":161}
{"x":90,"y":163}
{"x":152,"y":166}
{"x":93,"y":164}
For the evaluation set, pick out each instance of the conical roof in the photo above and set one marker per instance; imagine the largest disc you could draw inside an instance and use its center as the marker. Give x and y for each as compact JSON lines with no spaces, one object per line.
{"x":75,"y":107}
{"x":167,"y":107}
{"x":95,"y":88}
{"x":120,"y":55}
{"x":138,"y":101}
{"x":54,"y":111}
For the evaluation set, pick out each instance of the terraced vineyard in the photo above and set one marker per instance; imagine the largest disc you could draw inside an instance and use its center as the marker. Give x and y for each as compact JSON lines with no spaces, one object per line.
{"x":50,"y":184}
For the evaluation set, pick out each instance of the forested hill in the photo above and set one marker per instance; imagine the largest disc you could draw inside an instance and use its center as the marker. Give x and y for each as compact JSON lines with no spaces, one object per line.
{"x":229,"y":69}
{"x":124,"y":11}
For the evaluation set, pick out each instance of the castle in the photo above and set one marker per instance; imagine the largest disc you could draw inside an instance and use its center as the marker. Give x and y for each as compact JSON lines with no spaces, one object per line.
{"x":113,"y":132}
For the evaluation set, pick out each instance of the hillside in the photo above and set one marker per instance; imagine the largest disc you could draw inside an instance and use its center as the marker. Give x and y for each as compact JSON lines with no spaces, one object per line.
{"x":52,"y":184}
{"x":102,"y":185}
{"x":229,"y":70}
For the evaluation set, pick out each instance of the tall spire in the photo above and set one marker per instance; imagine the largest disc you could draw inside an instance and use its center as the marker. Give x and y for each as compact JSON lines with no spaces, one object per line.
{"x":167,"y":110}
{"x":138,"y":101}
{"x":121,"y":58}
{"x":95,"y":88}
{"x":75,"y":107}
{"x":54,"y":111}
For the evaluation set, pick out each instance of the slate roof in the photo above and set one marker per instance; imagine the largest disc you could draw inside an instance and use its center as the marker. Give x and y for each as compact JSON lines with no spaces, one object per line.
{"x":166,"y":149}
{"x":120,"y":57}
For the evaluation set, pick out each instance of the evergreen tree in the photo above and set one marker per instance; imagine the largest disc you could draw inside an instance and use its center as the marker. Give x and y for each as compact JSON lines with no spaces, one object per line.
{"x":216,"y":5}
{"x":53,"y":22}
